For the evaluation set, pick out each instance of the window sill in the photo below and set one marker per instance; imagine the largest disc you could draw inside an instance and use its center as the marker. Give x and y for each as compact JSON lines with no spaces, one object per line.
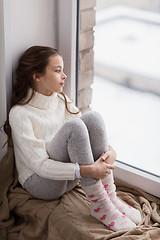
{"x":147,"y":182}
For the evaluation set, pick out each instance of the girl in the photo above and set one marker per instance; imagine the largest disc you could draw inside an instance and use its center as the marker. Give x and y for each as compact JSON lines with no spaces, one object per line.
{"x":55,"y":145}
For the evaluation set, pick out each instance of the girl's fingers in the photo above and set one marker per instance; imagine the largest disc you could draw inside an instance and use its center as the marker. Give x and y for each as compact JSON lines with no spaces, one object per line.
{"x":110,"y":166}
{"x":104,"y":156}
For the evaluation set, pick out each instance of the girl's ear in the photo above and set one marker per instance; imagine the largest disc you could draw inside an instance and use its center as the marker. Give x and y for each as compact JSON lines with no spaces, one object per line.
{"x":36,"y":77}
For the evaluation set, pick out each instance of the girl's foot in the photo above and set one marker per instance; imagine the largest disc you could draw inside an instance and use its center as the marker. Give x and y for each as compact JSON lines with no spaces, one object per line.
{"x":103,"y":209}
{"x":125,"y":209}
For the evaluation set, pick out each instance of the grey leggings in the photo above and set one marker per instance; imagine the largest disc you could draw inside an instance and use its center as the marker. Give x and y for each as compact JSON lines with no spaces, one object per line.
{"x":80,"y":140}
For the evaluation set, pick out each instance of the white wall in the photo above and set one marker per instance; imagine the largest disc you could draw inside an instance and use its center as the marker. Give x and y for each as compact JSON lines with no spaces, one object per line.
{"x":23,"y":23}
{"x":30,"y":22}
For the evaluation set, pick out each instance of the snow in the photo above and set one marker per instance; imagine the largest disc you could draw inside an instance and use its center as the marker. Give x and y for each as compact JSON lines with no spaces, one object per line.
{"x":132,"y":117}
{"x":144,"y":55}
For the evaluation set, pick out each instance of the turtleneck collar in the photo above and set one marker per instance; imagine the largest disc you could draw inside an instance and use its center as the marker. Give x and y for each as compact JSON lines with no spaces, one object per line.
{"x":42,"y":101}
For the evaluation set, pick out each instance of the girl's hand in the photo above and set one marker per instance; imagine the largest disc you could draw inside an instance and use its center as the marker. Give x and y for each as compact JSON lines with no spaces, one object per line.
{"x":101,"y":169}
{"x":109,"y":156}
{"x":98,"y":170}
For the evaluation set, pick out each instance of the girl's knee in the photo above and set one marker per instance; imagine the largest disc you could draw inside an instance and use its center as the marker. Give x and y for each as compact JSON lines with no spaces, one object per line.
{"x":91,"y":116}
{"x":93,"y":120}
{"x":77,"y":128}
{"x":75,"y":124}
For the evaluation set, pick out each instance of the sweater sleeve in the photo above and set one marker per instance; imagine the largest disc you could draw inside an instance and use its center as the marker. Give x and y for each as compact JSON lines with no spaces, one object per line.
{"x":32,"y":153}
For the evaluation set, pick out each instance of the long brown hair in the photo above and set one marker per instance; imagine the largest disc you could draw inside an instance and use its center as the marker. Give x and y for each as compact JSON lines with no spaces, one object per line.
{"x":34,"y":61}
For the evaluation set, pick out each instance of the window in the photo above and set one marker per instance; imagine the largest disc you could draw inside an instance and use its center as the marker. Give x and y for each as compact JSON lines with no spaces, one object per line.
{"x":126,"y":75}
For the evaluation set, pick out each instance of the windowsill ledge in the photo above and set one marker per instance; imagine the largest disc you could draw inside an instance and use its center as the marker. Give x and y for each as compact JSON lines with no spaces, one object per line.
{"x":146,"y":181}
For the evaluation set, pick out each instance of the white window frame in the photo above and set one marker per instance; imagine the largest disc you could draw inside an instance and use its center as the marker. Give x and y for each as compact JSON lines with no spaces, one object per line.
{"x":146,"y":181}
{"x":66,"y":42}
{"x":4,"y":91}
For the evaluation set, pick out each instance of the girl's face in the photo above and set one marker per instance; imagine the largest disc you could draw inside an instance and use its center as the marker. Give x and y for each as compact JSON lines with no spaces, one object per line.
{"x":53,"y":79}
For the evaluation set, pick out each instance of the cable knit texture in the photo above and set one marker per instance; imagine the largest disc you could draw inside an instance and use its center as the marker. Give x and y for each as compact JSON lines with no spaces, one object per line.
{"x":33,"y":126}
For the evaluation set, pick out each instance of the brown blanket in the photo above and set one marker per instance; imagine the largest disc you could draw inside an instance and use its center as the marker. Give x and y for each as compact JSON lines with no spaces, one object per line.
{"x":23,"y":217}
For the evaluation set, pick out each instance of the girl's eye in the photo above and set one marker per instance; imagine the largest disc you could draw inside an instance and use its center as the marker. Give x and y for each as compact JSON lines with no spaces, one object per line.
{"x":57,"y":71}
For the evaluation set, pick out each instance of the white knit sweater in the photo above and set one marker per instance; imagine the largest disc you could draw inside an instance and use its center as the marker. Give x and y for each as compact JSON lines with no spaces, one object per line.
{"x":33,"y":127}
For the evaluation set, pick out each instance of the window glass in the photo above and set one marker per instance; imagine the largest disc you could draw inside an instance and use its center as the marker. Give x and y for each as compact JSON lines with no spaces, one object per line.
{"x":126,"y":88}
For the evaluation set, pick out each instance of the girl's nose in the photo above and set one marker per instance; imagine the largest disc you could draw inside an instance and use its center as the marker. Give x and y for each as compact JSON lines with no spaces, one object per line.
{"x":64,"y":76}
